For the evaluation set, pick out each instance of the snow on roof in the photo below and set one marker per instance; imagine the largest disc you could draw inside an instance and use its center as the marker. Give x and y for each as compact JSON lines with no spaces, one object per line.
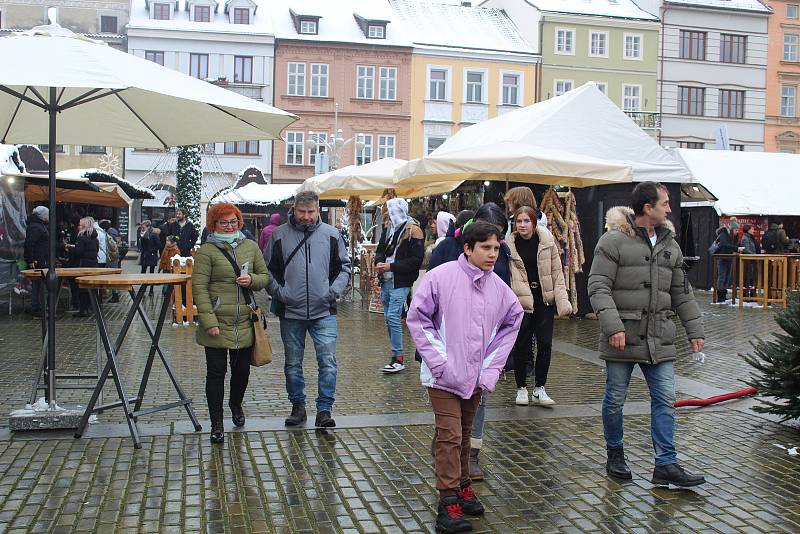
{"x":736,"y":5}
{"x":746,"y":182}
{"x":97,"y":175}
{"x":457,"y":26}
{"x":10,"y":160}
{"x":258,"y":194}
{"x":337,"y":21}
{"x":260,"y":24}
{"x":624,"y":9}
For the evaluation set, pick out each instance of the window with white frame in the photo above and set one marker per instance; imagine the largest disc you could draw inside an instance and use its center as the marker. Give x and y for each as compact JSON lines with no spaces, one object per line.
{"x":562,"y":86}
{"x":598,"y":44}
{"x":565,"y":41}
{"x":791,"y":11}
{"x":242,"y":69}
{"x":308,"y":27}
{"x":511,"y":89}
{"x":364,"y":154}
{"x":160,"y":11}
{"x":319,"y":79}
{"x":365,"y":82}
{"x":631,"y":97}
{"x":297,"y":79}
{"x":294,"y":148}
{"x":386,"y":145}
{"x":388,"y":83}
{"x":474,"y":92}
{"x":202,"y":13}
{"x":438,"y":84}
{"x":154,"y":56}
{"x":241,"y":15}
{"x":788,"y":101}
{"x":198,"y":65}
{"x":602,"y":87}
{"x":433,"y":143}
{"x":376,"y":31}
{"x":318,"y":148}
{"x":790,"y":47}
{"x":633,"y":46}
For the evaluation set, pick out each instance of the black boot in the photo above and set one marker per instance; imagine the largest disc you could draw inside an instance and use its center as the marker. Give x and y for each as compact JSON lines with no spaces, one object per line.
{"x":298,"y":415}
{"x":217,"y":431}
{"x":664,"y":475}
{"x":470,"y":504}
{"x":616,"y":466}
{"x":450,"y":516}
{"x":324,"y":420}
{"x":237,"y":414}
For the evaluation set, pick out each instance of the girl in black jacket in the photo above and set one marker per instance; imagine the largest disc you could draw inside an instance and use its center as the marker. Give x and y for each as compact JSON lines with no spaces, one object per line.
{"x":84,"y":254}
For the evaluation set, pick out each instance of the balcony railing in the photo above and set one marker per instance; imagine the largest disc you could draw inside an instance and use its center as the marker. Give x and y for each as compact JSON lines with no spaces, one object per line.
{"x":646,"y":120}
{"x":250,"y":90}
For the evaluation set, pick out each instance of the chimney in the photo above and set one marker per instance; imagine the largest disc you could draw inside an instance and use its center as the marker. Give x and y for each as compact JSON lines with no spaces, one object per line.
{"x":52,"y":15}
{"x":466,"y":4}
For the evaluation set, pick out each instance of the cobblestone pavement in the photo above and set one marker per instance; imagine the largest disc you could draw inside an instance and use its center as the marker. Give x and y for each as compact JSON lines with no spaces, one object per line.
{"x":373,"y":474}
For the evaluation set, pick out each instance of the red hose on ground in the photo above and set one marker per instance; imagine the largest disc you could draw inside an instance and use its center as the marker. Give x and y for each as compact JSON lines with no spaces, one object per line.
{"x":719,"y":398}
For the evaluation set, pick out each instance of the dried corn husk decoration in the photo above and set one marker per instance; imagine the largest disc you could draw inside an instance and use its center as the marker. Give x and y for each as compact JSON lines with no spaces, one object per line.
{"x":354,"y":218}
{"x":562,"y":220}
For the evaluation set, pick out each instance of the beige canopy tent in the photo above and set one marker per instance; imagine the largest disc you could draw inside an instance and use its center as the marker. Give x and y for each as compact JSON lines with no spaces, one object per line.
{"x":370,"y":181}
{"x":108,"y":195}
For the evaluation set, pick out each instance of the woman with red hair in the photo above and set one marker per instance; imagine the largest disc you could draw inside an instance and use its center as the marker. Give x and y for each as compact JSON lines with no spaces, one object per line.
{"x":221,"y":292}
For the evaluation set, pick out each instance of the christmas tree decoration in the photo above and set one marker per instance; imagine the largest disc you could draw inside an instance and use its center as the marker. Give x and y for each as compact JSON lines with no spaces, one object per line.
{"x":189,"y":178}
{"x":777,"y":362}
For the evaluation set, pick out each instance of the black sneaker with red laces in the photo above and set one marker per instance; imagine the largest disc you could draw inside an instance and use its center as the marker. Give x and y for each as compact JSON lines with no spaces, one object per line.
{"x":470,"y":504}
{"x":451,"y":517}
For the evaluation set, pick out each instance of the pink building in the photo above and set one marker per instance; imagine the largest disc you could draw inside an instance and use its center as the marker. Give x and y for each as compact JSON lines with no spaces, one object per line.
{"x":339,"y":66}
{"x":782,"y":128}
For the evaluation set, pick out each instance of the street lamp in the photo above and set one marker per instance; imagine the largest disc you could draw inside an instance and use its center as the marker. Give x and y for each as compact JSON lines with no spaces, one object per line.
{"x":333,"y":144}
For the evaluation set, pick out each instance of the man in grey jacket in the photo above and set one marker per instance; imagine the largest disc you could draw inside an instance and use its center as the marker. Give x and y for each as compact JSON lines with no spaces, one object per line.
{"x":636,"y":286}
{"x":309,"y":267}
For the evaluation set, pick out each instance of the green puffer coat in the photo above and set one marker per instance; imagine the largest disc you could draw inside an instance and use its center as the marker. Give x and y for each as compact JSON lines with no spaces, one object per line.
{"x":637,"y":288}
{"x":214,"y":278}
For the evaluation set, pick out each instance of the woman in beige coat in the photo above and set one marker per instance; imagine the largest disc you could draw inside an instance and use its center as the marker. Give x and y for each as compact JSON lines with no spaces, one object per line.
{"x":537,"y":278}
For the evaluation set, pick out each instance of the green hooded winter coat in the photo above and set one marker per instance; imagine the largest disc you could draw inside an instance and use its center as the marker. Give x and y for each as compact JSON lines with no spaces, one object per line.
{"x":636,"y":288}
{"x":220,"y":301}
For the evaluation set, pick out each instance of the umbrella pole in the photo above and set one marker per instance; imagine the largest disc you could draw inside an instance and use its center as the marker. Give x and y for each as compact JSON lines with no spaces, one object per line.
{"x":52,"y":280}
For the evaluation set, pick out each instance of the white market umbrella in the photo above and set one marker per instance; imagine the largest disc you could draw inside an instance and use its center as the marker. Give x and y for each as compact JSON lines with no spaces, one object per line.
{"x":369,"y":182}
{"x":58,"y":87}
{"x":257,"y":194}
{"x":512,"y":161}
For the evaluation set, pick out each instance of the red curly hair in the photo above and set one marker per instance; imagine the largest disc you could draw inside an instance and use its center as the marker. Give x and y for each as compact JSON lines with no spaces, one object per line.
{"x":222,"y":211}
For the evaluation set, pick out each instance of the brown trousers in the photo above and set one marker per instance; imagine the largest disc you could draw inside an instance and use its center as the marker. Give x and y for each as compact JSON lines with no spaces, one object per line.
{"x":453,"y":431}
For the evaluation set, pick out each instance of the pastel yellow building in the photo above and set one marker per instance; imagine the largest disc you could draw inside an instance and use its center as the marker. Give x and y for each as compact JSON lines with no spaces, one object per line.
{"x":468,"y":64}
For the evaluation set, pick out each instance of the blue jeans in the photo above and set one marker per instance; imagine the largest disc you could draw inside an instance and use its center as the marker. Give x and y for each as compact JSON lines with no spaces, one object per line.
{"x":393,"y":301}
{"x":480,"y":418}
{"x":323,"y":333}
{"x":724,"y":269}
{"x":661,"y":382}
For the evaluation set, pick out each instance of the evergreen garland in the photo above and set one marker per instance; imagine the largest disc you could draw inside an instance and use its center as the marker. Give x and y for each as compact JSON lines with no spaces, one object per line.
{"x":189,"y":177}
{"x":779,"y":364}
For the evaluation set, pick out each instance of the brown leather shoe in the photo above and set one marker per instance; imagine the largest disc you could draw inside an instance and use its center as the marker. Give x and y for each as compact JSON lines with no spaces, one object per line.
{"x":475,"y":471}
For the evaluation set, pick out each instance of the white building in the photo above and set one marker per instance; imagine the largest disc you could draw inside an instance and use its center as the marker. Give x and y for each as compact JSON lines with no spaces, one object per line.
{"x":229,"y":43}
{"x":714,"y":67}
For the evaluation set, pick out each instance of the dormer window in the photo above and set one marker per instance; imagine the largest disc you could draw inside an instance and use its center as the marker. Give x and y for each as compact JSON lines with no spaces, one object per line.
{"x":372,"y":29}
{"x":241,"y":15}
{"x":308,"y":27}
{"x":305,"y":24}
{"x":202,"y":14}
{"x":161,"y":11}
{"x":376,"y":32}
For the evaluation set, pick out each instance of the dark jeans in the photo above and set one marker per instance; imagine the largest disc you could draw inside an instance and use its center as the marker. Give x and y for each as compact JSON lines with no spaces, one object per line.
{"x":540,"y":323}
{"x":723,"y":279}
{"x":151,"y":267}
{"x":38,"y":294}
{"x":216,"y":367}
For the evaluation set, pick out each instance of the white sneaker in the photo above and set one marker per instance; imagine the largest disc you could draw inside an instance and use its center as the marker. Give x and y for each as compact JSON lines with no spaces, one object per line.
{"x":522,"y":397}
{"x":541,"y":398}
{"x":394,"y":367}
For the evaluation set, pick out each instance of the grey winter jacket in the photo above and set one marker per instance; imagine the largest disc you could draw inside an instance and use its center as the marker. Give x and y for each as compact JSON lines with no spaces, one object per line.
{"x":636,"y":288}
{"x":317,"y":274}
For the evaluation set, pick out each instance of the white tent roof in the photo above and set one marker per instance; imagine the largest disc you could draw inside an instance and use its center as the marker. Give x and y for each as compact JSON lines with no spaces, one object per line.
{"x":254,"y":193}
{"x":584,"y":122}
{"x":747,"y":183}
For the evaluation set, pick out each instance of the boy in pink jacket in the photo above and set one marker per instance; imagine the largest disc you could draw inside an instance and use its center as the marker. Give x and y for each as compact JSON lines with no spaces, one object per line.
{"x":464,"y":320}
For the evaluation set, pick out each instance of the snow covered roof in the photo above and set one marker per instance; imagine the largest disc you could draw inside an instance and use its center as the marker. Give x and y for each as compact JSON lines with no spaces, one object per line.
{"x":735,"y":5}
{"x":456,"y":26}
{"x":260,"y":23}
{"x":624,"y":9}
{"x":96,"y":175}
{"x":337,"y":21}
{"x":746,"y":182}
{"x":258,"y":194}
{"x":10,"y":160}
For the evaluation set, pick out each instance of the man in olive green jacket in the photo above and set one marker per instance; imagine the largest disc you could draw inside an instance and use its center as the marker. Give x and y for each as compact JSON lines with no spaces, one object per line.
{"x":636,"y":285}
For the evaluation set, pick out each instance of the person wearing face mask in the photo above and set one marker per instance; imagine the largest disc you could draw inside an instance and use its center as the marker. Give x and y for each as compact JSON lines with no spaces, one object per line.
{"x":397,"y":261}
{"x":537,"y":278}
{"x":310,"y":269}
{"x":226,"y":329}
